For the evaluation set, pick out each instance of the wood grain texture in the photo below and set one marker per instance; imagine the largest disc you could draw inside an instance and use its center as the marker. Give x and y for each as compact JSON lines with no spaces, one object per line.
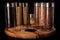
{"x":21,"y":33}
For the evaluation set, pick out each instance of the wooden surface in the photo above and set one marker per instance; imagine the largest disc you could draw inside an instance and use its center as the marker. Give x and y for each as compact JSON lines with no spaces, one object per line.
{"x":19,"y":32}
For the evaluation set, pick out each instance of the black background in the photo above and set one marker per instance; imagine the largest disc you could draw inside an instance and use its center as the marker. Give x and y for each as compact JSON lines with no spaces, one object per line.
{"x":3,"y":36}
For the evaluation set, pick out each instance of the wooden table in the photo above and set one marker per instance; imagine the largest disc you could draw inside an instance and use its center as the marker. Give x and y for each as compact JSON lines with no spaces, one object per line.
{"x":19,"y":32}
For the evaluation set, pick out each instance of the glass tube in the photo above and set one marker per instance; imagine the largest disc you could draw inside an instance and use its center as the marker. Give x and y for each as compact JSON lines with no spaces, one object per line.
{"x":52,"y":13}
{"x":36,"y":13}
{"x":42,"y":15}
{"x":13,"y":15}
{"x":7,"y":15}
{"x":18,"y":13}
{"x":10,"y":14}
{"x":31,"y":19}
{"x":25,"y":14}
{"x":49,"y":15}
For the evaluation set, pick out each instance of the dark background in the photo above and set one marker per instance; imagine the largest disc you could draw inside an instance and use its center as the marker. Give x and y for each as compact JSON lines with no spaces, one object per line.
{"x":3,"y":36}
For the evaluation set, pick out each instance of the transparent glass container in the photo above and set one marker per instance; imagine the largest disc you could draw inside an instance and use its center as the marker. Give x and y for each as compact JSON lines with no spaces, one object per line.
{"x":10,"y":12}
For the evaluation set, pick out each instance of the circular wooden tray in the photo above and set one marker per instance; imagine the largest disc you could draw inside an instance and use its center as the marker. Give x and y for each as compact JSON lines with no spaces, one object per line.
{"x":20,"y":32}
